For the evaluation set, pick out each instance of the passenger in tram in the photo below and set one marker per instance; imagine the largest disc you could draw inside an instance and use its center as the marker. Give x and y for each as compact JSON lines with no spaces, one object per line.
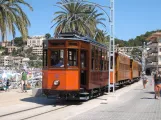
{"x":60,"y":64}
{"x":157,"y":85}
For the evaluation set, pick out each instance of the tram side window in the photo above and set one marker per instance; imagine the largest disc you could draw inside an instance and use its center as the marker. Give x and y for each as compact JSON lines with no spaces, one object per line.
{"x":83,"y":59}
{"x":72,"y":57}
{"x":57,"y":58}
{"x":92,"y":62}
{"x":45,"y":58}
{"x":96,"y":59}
{"x":100,"y":60}
{"x":105,"y":61}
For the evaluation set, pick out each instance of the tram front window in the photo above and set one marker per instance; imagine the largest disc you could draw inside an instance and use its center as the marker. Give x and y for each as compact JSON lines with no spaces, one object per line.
{"x":72,"y":57}
{"x":57,"y":58}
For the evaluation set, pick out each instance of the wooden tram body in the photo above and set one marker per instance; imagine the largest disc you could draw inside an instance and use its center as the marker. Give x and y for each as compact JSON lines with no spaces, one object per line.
{"x":83,"y":72}
{"x":83,"y":68}
{"x":127,"y":70}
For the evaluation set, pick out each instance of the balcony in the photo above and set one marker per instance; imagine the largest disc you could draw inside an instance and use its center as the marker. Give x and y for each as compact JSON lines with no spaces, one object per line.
{"x":153,"y":54}
{"x":152,"y":58}
{"x":152,"y":45}
{"x":152,"y":64}
{"x":153,"y":50}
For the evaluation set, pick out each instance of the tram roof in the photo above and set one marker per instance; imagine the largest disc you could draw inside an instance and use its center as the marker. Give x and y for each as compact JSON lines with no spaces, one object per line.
{"x":76,"y":37}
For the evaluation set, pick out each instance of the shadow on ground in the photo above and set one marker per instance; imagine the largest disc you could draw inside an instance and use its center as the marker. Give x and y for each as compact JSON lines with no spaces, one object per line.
{"x":147,"y":98}
{"x":150,"y":92}
{"x":45,"y":101}
{"x":138,"y":89}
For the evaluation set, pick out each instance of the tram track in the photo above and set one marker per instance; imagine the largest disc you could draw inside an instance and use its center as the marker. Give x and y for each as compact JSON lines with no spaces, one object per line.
{"x":31,"y":112}
{"x":44,"y":113}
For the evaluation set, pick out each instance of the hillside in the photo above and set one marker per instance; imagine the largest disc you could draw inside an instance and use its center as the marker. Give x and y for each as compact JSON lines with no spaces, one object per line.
{"x":138,"y":41}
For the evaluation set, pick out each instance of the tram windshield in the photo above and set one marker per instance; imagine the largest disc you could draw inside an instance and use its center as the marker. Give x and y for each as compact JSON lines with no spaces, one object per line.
{"x":57,"y":58}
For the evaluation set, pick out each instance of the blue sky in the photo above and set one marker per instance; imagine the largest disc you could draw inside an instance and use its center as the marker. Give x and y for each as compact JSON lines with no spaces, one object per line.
{"x":132,"y":17}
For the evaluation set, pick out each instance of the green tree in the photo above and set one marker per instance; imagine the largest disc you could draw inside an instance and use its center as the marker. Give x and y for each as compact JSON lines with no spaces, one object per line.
{"x":18,"y":41}
{"x":136,"y":54}
{"x":32,"y":57}
{"x":31,"y":63}
{"x":2,"y":48}
{"x":12,"y":16}
{"x":29,"y":51}
{"x":77,"y":17}
{"x":47,"y":36}
{"x":14,"y":52}
{"x":5,"y":52}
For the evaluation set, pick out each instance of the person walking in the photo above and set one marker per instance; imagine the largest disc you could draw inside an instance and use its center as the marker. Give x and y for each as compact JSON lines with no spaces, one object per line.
{"x":157,"y":85}
{"x":24,"y":81}
{"x":7,"y":85}
{"x":144,"y":78}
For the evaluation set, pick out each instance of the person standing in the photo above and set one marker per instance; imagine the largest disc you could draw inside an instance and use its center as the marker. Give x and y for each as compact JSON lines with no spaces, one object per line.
{"x":24,"y":81}
{"x":7,"y":85}
{"x":157,"y":85}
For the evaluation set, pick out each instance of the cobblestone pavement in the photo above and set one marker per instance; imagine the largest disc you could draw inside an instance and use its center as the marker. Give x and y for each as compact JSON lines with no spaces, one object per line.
{"x":136,"y":104}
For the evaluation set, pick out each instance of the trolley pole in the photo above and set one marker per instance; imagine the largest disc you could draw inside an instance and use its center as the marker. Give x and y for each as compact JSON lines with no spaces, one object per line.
{"x":111,"y":49}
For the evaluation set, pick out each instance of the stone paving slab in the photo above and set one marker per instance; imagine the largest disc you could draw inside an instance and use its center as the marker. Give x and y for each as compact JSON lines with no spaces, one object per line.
{"x":136,"y":104}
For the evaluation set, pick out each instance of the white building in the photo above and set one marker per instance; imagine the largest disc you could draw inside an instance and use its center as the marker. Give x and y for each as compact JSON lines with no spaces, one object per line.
{"x":35,"y":41}
{"x":154,"y":52}
{"x":6,"y":61}
{"x":11,"y":48}
{"x":37,"y":50}
{"x":25,"y":61}
{"x":13,"y":61}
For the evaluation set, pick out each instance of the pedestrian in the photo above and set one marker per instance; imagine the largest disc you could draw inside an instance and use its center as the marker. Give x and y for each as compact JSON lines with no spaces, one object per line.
{"x":24,"y":81}
{"x":7,"y":85}
{"x":157,"y":85}
{"x":144,"y":78}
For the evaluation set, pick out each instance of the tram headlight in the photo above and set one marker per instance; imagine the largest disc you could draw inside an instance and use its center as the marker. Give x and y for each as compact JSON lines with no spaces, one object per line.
{"x":56,"y":82}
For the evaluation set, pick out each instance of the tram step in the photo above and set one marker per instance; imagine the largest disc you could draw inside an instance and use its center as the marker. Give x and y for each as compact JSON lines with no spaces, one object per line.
{"x":81,"y":89}
{"x":85,"y":93}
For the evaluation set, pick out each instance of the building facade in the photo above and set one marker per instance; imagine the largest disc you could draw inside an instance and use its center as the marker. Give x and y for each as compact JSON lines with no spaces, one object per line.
{"x":154,"y":53}
{"x":36,"y":43}
{"x":6,"y":61}
{"x":9,"y":61}
{"x":38,"y":50}
{"x":5,"y":43}
{"x":11,"y":48}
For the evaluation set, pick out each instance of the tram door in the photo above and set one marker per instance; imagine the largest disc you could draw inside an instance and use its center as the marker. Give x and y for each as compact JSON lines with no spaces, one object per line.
{"x":83,"y":68}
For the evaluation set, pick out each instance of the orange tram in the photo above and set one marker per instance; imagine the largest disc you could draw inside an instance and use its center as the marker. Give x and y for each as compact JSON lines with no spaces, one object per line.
{"x":76,"y":68}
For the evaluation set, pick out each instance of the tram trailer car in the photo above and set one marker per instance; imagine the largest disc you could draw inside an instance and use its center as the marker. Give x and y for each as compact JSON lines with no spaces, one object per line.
{"x":126,"y":70}
{"x":122,"y":70}
{"x":74,"y":68}
{"x":135,"y":70}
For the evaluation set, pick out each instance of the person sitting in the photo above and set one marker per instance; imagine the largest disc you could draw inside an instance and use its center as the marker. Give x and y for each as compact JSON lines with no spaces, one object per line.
{"x":60,"y":64}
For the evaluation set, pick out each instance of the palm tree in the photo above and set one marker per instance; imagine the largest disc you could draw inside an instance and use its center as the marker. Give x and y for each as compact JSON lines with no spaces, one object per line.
{"x":77,"y":17}
{"x":47,"y":35}
{"x":12,"y":16}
